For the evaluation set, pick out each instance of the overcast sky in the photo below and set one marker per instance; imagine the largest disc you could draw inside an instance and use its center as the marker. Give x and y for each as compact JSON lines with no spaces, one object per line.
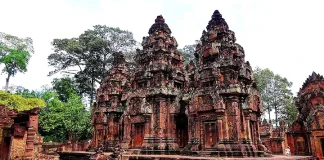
{"x":284,"y":36}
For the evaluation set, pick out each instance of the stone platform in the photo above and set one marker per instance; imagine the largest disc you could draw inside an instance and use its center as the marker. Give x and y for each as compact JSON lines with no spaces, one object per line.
{"x":178,"y":157}
{"x":79,"y":155}
{"x":129,"y":156}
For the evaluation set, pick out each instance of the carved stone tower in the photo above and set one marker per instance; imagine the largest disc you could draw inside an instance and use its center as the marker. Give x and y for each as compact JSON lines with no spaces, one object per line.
{"x":225,"y":106}
{"x":108,"y":109}
{"x":211,"y":108}
{"x":154,"y":101}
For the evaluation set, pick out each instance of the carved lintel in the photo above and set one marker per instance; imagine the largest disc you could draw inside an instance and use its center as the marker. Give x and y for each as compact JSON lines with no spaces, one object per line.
{"x":220,"y":112}
{"x":247,"y":113}
{"x":19,"y":131}
{"x":147,"y":117}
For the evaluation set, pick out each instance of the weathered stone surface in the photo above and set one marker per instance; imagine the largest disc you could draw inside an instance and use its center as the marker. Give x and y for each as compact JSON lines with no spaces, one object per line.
{"x":18,"y":132}
{"x":306,"y":134}
{"x":224,"y":105}
{"x":163,"y":108}
{"x":108,"y":109}
{"x":18,"y":145}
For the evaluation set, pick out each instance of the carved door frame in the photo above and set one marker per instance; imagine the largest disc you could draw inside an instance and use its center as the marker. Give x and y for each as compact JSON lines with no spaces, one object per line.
{"x":183,"y":131}
{"x":138,"y":129}
{"x":211,"y":134}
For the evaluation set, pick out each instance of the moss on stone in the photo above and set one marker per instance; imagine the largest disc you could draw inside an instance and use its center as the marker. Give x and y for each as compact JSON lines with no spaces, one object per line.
{"x":20,"y":103}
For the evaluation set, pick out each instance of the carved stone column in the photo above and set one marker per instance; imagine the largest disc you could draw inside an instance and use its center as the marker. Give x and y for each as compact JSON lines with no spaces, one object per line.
{"x":247,"y":124}
{"x":147,"y":127}
{"x":127,"y":132}
{"x":243,"y":122}
{"x":220,"y":145}
{"x":220,"y":128}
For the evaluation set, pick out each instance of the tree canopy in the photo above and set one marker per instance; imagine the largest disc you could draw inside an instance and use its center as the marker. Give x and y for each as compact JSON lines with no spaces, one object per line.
{"x":20,"y":103}
{"x":276,"y":94}
{"x":15,"y":53}
{"x":65,"y":117}
{"x":89,"y":56}
{"x":65,"y":88}
{"x":188,"y":53}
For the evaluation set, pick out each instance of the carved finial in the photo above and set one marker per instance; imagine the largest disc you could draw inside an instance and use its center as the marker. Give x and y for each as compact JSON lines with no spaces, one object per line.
{"x":216,"y":14}
{"x":159,"y":25}
{"x":159,"y":19}
{"x":217,"y":22}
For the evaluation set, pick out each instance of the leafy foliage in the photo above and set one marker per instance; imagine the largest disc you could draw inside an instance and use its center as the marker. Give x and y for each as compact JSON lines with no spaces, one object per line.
{"x":64,"y":87}
{"x":89,"y":56}
{"x":289,"y":112}
{"x":188,"y":53}
{"x":76,"y":119}
{"x":13,"y":42}
{"x":276,"y":94}
{"x":20,"y":103}
{"x":14,"y":54}
{"x":65,"y":117}
{"x":61,"y":121}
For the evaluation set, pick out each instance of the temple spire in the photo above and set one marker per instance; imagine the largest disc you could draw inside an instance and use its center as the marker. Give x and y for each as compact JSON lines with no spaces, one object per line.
{"x":217,"y":22}
{"x":159,"y":25}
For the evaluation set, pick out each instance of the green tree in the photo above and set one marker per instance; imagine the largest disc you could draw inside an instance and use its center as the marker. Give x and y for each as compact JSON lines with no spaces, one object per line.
{"x":89,"y":56}
{"x":188,"y":53}
{"x":14,"y":54}
{"x":60,"y":121}
{"x":76,"y":118}
{"x":289,"y":112}
{"x":65,"y":87}
{"x":275,"y":93}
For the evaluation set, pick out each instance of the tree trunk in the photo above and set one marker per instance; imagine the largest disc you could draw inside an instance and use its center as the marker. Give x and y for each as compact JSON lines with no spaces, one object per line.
{"x":70,"y":137}
{"x":7,"y":82}
{"x":269,"y":114}
{"x":91,"y":94}
{"x":276,"y":116}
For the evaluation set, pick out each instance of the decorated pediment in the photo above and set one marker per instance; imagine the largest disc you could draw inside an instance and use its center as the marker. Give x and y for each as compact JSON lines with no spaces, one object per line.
{"x":6,"y":116}
{"x":317,"y":120}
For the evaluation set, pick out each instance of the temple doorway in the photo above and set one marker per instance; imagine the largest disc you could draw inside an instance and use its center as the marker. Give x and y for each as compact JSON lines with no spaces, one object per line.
{"x":4,"y":148}
{"x":300,"y":146}
{"x":138,"y":135}
{"x":210,"y":134}
{"x":182,"y":130}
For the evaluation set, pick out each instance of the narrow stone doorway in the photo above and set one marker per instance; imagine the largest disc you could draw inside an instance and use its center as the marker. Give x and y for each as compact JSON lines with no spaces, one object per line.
{"x":210,"y":134}
{"x":182,"y":130}
{"x":138,"y":135}
{"x":4,"y":148}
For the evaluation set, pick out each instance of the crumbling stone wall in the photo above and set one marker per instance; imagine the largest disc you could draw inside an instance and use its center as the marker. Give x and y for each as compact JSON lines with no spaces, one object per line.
{"x":17,"y":149}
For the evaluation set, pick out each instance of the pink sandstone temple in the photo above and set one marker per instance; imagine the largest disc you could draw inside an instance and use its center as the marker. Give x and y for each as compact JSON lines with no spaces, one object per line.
{"x":209,"y":107}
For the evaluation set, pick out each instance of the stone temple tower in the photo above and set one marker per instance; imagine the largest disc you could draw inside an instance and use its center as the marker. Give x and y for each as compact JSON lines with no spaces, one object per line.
{"x":225,"y":106}
{"x":108,"y":110}
{"x":153,"y":103}
{"x":210,"y":108}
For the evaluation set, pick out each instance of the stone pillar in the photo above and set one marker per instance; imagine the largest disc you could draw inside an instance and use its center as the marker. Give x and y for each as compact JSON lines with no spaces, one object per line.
{"x":220,"y":127}
{"x":190,"y":128}
{"x":127,"y":132}
{"x":247,"y":119}
{"x":248,"y":128}
{"x":237,"y":119}
{"x":172,"y":126}
{"x":110,"y":129}
{"x":147,"y":127}
{"x":220,"y":122}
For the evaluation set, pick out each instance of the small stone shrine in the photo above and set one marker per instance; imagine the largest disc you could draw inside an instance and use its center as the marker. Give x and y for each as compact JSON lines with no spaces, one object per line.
{"x":305,"y":136}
